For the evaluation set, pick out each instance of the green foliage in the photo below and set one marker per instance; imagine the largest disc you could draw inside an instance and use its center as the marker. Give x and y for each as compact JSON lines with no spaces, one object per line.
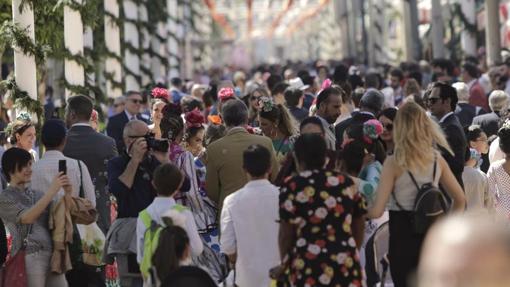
{"x":13,"y":35}
{"x":21,"y":98}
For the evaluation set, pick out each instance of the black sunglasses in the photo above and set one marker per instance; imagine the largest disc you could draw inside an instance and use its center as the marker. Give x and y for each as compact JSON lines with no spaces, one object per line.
{"x":388,"y":127}
{"x":135,"y":101}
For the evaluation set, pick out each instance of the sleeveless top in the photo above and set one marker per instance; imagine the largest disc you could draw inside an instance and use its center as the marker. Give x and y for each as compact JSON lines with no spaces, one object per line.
{"x":405,"y":190}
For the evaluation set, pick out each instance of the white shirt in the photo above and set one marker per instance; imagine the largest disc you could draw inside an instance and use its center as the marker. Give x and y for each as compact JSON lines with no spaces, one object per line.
{"x":46,"y":168}
{"x":476,"y":188}
{"x":130,"y":116}
{"x":81,"y":125}
{"x":249,"y":228}
{"x":156,"y":210}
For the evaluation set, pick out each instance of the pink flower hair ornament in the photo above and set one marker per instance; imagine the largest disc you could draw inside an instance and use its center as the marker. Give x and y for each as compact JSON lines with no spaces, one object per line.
{"x":372,"y":129}
{"x":225,"y":94}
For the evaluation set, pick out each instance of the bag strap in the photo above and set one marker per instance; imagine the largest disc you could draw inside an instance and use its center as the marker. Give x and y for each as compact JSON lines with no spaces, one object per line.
{"x":25,"y":240}
{"x":82,"y":192}
{"x":396,"y":201}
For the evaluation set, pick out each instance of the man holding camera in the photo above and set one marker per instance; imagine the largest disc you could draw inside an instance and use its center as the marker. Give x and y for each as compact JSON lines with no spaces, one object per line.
{"x":130,"y":181}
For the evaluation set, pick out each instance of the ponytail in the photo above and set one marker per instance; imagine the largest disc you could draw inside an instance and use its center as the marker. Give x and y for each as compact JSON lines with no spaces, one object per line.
{"x":172,"y":245}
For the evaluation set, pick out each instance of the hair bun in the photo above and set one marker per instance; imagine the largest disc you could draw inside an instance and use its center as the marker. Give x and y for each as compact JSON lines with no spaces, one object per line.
{"x":194,"y":118}
{"x":172,"y":110}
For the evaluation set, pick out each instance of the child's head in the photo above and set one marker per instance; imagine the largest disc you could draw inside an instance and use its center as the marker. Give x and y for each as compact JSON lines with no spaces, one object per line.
{"x":167,"y":179}
{"x":257,"y":161}
{"x":173,"y":248}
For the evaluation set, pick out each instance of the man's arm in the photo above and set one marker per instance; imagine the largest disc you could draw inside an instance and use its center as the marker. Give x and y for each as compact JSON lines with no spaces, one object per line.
{"x":212,"y":181}
{"x":88,"y":186}
{"x":139,"y":150}
{"x":228,"y":236}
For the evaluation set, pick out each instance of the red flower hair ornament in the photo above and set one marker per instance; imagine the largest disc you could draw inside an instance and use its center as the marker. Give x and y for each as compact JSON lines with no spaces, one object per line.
{"x":160,"y":93}
{"x":194,"y":119}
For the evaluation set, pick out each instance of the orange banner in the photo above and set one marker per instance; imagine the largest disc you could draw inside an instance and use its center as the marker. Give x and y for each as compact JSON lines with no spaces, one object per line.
{"x":305,"y":16}
{"x":219,"y":18}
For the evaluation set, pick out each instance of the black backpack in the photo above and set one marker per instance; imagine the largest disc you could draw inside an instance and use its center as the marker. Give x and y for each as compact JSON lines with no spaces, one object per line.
{"x":429,"y":205}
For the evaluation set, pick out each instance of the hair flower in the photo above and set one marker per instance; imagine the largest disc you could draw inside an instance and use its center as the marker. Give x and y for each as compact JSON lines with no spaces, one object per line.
{"x":326,"y":84}
{"x":225,"y":94}
{"x":160,"y":93}
{"x":266,"y":104}
{"x":506,"y":124}
{"x":194,"y":119}
{"x":24,"y":116}
{"x":372,"y":129}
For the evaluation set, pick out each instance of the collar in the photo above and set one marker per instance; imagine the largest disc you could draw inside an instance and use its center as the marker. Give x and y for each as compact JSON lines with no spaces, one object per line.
{"x":367,"y":113}
{"x":257,"y":183}
{"x":164,"y":200}
{"x":445,"y":117}
{"x":81,"y":125}
{"x":129,"y":116}
{"x":53,"y":153}
{"x":236,"y":130}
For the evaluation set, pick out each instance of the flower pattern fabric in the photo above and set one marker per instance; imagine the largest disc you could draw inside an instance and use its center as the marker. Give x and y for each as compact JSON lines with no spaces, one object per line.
{"x":322,"y":205}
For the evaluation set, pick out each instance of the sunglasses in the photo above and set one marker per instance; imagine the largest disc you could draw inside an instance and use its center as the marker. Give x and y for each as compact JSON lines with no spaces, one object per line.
{"x":254,"y":98}
{"x":432,"y":101}
{"x":388,"y":127}
{"x":135,"y":101}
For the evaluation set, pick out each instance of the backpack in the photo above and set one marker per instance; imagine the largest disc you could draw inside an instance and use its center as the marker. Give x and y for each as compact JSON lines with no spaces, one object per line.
{"x":151,"y":238}
{"x":429,"y":205}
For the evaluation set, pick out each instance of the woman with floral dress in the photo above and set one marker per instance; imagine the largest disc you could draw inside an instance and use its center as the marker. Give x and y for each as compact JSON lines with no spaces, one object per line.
{"x":204,"y":211}
{"x":322,"y":221}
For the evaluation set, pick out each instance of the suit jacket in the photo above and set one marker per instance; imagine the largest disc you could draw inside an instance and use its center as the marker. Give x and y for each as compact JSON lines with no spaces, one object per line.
{"x":115,"y":128}
{"x":225,"y":173}
{"x":466,"y":113}
{"x":457,"y":141}
{"x":94,"y":149}
{"x":488,"y":122}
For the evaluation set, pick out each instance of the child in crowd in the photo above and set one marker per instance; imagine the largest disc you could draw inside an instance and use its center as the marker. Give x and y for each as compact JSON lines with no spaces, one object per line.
{"x":167,"y":180}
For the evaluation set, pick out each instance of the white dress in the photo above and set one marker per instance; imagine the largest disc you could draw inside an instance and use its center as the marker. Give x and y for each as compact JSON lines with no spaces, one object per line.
{"x":499,"y":188}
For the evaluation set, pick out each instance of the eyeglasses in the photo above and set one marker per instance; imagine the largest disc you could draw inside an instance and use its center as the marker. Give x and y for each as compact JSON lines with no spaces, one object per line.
{"x":432,"y":101}
{"x":135,"y":101}
{"x":253,"y":98}
{"x":388,"y":127}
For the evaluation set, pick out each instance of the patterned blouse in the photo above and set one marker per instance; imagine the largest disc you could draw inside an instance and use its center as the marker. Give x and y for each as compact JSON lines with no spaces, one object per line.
{"x":499,"y":188}
{"x":322,"y":205}
{"x":13,"y":202}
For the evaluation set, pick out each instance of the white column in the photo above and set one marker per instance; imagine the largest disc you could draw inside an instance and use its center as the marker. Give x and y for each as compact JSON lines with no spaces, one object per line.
{"x":342,"y":17}
{"x":438,"y":49}
{"x":88,"y":42}
{"x":172,"y":42}
{"x":146,"y":45}
{"x":73,"y":40}
{"x":24,"y":65}
{"x":467,"y":38}
{"x":131,"y":60}
{"x":492,"y":40}
{"x":112,"y":41}
{"x":157,"y":68}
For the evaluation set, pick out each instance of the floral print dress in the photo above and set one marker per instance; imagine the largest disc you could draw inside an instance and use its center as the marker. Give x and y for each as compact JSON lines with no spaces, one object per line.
{"x":322,"y":205}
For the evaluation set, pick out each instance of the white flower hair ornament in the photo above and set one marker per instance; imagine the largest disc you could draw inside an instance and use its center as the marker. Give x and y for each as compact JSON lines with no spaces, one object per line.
{"x":175,"y":216}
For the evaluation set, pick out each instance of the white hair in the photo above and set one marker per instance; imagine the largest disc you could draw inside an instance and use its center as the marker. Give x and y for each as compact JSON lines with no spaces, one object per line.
{"x":462,"y":91}
{"x":498,"y":100}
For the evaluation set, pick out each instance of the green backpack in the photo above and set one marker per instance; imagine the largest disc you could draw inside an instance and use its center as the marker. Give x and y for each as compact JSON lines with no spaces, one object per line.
{"x":151,"y":238}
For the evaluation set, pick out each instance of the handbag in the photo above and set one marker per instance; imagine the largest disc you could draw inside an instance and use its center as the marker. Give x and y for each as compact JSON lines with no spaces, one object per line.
{"x":88,"y":240}
{"x":13,"y":272}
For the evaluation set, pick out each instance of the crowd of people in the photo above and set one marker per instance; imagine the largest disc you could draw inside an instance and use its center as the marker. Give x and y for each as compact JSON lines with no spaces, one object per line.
{"x":276,"y":177}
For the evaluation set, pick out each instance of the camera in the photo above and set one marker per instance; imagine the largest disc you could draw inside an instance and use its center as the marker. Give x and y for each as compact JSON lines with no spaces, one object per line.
{"x":155,"y":144}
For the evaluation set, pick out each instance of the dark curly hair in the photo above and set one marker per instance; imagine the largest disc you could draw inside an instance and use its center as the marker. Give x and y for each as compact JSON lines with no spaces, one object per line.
{"x":172,"y":124}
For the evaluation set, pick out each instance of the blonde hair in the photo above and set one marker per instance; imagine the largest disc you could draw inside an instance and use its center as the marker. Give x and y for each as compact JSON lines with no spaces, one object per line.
{"x":415,"y":136}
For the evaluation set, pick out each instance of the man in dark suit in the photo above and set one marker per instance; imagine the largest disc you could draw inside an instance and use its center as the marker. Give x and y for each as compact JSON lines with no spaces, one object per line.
{"x":117,"y":122}
{"x":94,"y":149}
{"x":464,"y":111}
{"x":498,"y":101}
{"x":442,"y":102}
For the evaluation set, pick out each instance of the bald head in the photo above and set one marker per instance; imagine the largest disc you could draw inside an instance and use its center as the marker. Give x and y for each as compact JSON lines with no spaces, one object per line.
{"x":466,"y":250}
{"x":133,"y":130}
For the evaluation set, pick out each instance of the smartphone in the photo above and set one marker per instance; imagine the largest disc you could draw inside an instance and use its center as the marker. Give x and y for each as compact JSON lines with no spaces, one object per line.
{"x":62,"y":166}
